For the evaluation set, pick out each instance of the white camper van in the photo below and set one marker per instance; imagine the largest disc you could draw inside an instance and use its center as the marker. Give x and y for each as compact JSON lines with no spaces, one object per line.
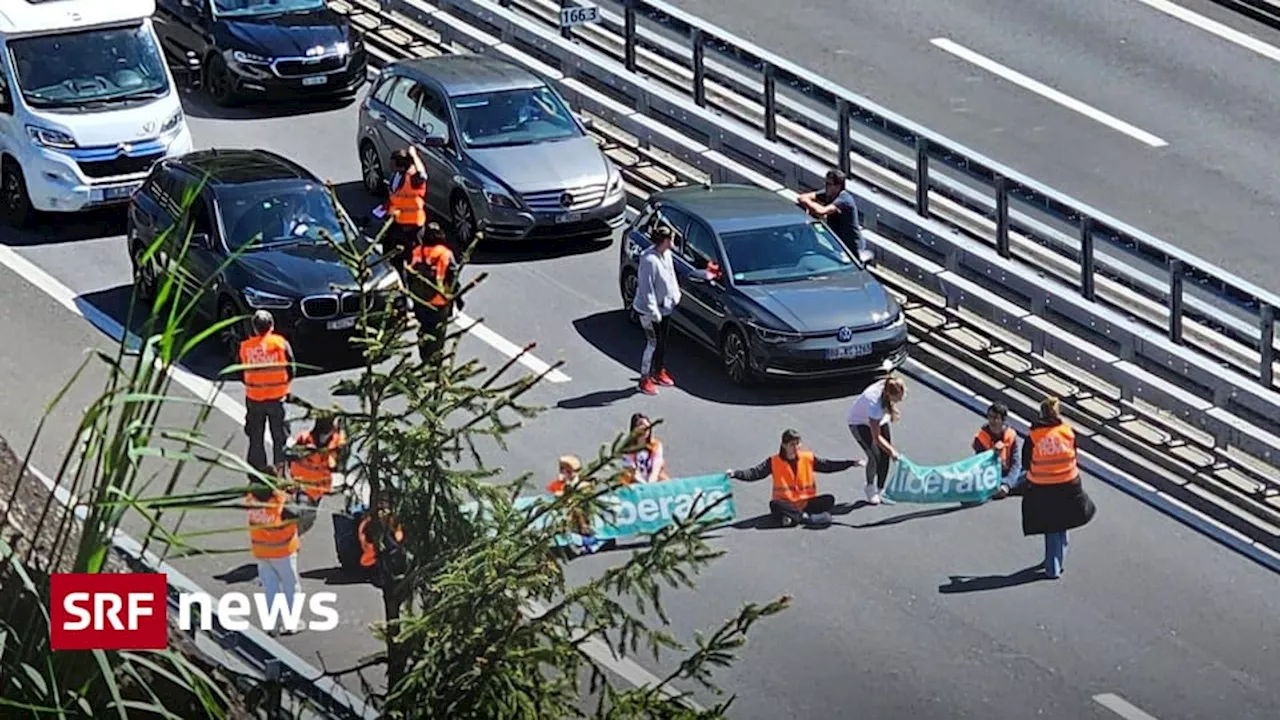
{"x":87,"y":104}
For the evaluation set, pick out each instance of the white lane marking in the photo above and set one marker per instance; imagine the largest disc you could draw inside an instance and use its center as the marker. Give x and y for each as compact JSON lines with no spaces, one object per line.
{"x":508,"y":348}
{"x":1121,"y":707}
{"x":1225,"y":32}
{"x":1047,"y":92}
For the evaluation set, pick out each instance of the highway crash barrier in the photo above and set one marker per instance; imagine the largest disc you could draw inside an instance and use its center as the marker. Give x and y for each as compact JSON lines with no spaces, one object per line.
{"x":990,"y":309}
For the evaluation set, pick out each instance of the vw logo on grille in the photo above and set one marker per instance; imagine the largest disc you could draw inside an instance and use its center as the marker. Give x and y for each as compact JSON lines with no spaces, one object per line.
{"x":844,"y":334}
{"x":566,"y":200}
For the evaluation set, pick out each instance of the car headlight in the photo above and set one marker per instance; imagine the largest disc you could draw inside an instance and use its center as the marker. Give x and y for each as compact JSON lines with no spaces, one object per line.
{"x":775,"y":337}
{"x":259,"y":300}
{"x":384,"y":283}
{"x":615,"y":185}
{"x":496,"y":198}
{"x":171,"y":125}
{"x":341,"y":48}
{"x":898,"y":321}
{"x":50,"y":138}
{"x":248,"y":58}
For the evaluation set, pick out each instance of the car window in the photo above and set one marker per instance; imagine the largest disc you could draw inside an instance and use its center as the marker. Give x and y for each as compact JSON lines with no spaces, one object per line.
{"x":383,"y":93}
{"x":278,"y":213}
{"x":672,"y":218}
{"x":697,"y":246}
{"x":200,"y":219}
{"x":786,"y":252}
{"x":431,"y":114}
{"x":513,"y":117}
{"x":404,"y":98}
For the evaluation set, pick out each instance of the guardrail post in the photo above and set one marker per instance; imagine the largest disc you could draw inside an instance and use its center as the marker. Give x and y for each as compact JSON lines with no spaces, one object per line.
{"x":1267,"y":322}
{"x":1002,"y":216}
{"x":1086,"y":257}
{"x":629,"y":35}
{"x":1176,"y":271}
{"x":770,"y":103}
{"x":922,"y":176}
{"x":844,"y":143}
{"x":699,"y":68}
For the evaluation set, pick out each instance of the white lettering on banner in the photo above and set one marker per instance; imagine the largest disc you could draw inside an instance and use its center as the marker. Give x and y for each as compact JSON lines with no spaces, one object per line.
{"x":985,"y":477}
{"x":107,"y":608}
{"x":668,"y":508}
{"x":233,"y":610}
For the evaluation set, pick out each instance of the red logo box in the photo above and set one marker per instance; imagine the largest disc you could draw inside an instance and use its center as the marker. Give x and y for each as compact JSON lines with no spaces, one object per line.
{"x":100,"y":611}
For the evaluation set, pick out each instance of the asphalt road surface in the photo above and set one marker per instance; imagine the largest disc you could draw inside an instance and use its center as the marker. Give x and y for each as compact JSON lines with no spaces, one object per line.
{"x":899,"y":611}
{"x":1207,"y":185}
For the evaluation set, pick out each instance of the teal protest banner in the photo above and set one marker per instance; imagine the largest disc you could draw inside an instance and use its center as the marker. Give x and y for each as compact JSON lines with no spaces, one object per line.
{"x":973,"y":479}
{"x":648,"y":508}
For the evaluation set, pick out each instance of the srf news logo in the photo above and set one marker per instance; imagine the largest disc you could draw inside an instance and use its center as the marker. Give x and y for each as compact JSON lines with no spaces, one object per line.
{"x":130,"y":611}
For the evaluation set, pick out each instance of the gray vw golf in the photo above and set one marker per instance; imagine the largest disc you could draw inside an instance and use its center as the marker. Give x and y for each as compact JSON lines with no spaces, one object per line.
{"x":503,"y":152}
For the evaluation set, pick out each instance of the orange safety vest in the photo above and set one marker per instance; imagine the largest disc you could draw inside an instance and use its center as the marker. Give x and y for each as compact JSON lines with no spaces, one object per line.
{"x":629,"y":474}
{"x":368,"y":552}
{"x":984,"y":440}
{"x":314,"y":472}
{"x":437,"y":258}
{"x":270,"y":535}
{"x":266,"y":358}
{"x":407,"y":204}
{"x":1053,"y":455}
{"x":795,"y":486}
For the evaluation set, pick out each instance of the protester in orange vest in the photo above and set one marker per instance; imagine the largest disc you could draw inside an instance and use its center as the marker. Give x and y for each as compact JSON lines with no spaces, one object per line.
{"x":997,"y":435}
{"x":795,"y":491}
{"x":273,"y":538}
{"x":570,"y":477}
{"x":1053,"y":498}
{"x":406,"y":204}
{"x":268,"y":369}
{"x":380,"y":529}
{"x":316,"y":455}
{"x":646,"y":464}
{"x":433,"y":278}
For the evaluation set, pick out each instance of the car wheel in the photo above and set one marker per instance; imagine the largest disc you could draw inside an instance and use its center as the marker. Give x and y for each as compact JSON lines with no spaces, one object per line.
{"x":218,"y":82}
{"x":145,"y":282}
{"x":629,"y":284}
{"x":371,"y":170}
{"x":735,"y":358}
{"x":464,"y":220}
{"x":232,"y":335}
{"x":17,"y":203}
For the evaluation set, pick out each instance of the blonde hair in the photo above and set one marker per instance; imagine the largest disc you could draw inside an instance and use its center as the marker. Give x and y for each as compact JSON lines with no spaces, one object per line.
{"x":891,"y":395}
{"x":1051,"y":408}
{"x":571,"y":461}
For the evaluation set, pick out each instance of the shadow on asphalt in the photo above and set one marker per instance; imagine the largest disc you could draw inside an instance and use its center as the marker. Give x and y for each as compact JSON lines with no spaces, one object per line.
{"x":769,"y":521}
{"x":697,"y":370}
{"x":597,"y":399}
{"x":967,"y":583}
{"x":59,"y":228}
{"x":917,"y":515}
{"x":336,"y":576}
{"x":196,"y":104}
{"x":239,"y":574}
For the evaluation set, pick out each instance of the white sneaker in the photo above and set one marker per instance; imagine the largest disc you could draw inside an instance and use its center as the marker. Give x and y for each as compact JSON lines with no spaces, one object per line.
{"x":873,"y":494}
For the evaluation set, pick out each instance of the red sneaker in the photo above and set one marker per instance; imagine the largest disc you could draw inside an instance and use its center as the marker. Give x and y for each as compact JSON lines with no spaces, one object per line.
{"x":664,"y":378}
{"x":648,"y":387}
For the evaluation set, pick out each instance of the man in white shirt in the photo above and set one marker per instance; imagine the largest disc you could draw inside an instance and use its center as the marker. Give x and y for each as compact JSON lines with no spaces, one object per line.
{"x":657,"y":295}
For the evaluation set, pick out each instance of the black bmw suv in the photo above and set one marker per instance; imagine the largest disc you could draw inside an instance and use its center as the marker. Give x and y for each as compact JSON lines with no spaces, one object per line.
{"x":254,"y":227}
{"x":247,"y":49}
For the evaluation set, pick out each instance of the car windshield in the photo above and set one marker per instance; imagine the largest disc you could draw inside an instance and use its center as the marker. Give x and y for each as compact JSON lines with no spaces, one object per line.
{"x":513,"y":117}
{"x":787,"y":252}
{"x":278,"y":213}
{"x":83,"y":68}
{"x":249,"y":8}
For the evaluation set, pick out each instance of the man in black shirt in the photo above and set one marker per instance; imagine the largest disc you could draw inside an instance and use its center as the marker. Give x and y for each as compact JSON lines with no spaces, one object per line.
{"x":836,"y":205}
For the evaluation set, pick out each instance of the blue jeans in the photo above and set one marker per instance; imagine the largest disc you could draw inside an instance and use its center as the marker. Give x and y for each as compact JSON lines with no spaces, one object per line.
{"x":1055,"y":553}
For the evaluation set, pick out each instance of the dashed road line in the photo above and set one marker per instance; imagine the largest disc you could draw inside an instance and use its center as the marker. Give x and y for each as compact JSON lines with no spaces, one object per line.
{"x":1122,"y":707}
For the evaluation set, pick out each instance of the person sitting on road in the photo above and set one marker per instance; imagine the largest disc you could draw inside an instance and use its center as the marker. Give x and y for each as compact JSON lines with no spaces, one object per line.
{"x":997,"y":435}
{"x":568,"y":478}
{"x":380,"y":530}
{"x":646,"y":464}
{"x":795,"y":491}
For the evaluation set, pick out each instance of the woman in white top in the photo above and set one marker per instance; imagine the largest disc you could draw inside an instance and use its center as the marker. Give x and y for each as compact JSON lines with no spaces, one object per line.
{"x":647,"y":464}
{"x":869,"y":419}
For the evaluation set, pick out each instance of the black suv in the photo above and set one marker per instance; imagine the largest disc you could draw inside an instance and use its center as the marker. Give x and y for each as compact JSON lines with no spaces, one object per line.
{"x":254,"y":227}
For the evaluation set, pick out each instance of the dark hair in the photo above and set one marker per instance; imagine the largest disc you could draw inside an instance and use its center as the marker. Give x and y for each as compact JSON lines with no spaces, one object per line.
{"x":434,"y":234}
{"x":262,"y":321}
{"x":662,"y":233}
{"x":835,"y":177}
{"x":999,"y":409}
{"x":790,"y":436}
{"x":400,"y":160}
{"x":324,"y":425}
{"x":637,"y":418}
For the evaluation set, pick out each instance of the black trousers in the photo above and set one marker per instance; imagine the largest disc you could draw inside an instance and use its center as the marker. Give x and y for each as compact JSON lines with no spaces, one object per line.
{"x":656,"y":334}
{"x":877,"y":458}
{"x":257,"y":416}
{"x":401,"y":240}
{"x":433,"y":326}
{"x":813,"y":506}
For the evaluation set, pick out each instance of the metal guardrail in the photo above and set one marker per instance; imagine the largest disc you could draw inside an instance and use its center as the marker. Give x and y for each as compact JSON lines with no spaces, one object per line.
{"x":1266,"y":12}
{"x":961,"y":325}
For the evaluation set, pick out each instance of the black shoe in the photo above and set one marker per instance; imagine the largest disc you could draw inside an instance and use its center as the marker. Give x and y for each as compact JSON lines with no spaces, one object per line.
{"x":821,"y":519}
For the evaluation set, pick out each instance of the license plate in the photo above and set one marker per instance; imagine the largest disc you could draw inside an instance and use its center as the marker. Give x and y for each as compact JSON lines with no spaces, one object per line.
{"x":317,"y":80}
{"x":343,"y":324}
{"x":120,"y":193}
{"x":569,"y":217}
{"x":844,"y":352}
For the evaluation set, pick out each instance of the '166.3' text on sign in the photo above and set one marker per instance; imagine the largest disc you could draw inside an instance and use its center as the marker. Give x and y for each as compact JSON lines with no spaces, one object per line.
{"x":130,"y":611}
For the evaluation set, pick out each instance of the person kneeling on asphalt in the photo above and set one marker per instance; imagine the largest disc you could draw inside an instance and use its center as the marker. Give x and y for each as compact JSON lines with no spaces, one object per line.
{"x":379,"y":529}
{"x":795,"y":491}
{"x":997,"y":435}
{"x":315,"y":457}
{"x":569,"y":477}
